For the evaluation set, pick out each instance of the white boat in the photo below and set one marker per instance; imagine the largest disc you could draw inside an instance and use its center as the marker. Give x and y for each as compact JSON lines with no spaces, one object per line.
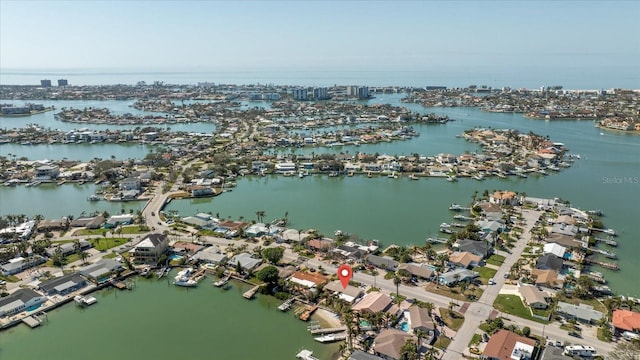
{"x":85,"y":301}
{"x":330,"y":338}
{"x":186,"y":282}
{"x":455,"y":207}
{"x":478,"y":177}
{"x":93,"y":197}
{"x":222,"y":282}
{"x":451,"y":178}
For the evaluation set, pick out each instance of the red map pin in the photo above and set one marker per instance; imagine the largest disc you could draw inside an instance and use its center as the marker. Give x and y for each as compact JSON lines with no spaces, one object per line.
{"x":344,"y":274}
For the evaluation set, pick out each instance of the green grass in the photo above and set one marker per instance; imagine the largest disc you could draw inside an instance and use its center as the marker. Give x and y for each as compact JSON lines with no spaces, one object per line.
{"x":485,"y":273}
{"x":60,"y":242}
{"x":453,"y":322}
{"x":511,"y":304}
{"x":135,"y":229}
{"x":442,"y":342}
{"x":91,"y":232}
{"x":475,"y":340}
{"x":9,"y":278}
{"x":496,"y":260}
{"x":110,"y":255}
{"x":107,"y":243}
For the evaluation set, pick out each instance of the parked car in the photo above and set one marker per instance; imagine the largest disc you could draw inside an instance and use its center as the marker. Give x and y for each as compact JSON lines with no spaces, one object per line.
{"x":491,"y":282}
{"x":575,"y":334}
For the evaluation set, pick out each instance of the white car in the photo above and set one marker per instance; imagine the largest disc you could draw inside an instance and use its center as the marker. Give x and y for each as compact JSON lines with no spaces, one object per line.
{"x":491,"y":282}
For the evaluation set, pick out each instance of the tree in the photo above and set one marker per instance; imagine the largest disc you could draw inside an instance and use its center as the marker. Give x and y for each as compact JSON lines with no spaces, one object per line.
{"x":268,"y":274}
{"x":625,"y":351}
{"x":396,"y":281}
{"x":273,"y":254}
{"x":260,"y":215}
{"x":409,"y":351}
{"x":526,"y":331}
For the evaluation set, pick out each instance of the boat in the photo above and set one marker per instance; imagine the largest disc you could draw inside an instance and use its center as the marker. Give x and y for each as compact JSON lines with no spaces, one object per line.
{"x":455,"y":207}
{"x":93,"y":197}
{"x":392,"y":175}
{"x":325,"y":338}
{"x":451,"y":178}
{"x":183,"y":278}
{"x":186,"y":282}
{"x":478,"y":177}
{"x":222,"y":282}
{"x":414,"y":177}
{"x":463,"y":218}
{"x":146,"y":271}
{"x":85,"y":301}
{"x":301,"y":174}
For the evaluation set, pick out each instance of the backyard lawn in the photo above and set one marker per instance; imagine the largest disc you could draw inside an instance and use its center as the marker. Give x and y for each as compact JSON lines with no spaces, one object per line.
{"x":103,"y":244}
{"x":511,"y":304}
{"x":485,"y":273}
{"x":496,"y":260}
{"x":453,"y":322}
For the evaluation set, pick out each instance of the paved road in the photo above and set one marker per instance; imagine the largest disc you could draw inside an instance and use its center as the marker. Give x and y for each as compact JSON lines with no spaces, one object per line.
{"x":479,"y":311}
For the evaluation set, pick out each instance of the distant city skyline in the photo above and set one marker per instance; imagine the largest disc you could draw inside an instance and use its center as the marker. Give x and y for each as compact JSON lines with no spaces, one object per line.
{"x":378,"y":35}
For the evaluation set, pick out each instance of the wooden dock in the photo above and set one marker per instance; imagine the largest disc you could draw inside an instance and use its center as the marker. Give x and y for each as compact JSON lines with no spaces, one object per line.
{"x":121,"y":285}
{"x":31,"y":321}
{"x":609,"y":242}
{"x":251,"y":292}
{"x":307,"y":313}
{"x":328,"y":330}
{"x":605,"y":265}
{"x":435,"y":239}
{"x":285,"y":306}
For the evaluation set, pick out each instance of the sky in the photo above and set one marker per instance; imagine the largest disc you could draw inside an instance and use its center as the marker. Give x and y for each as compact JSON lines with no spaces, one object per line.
{"x":370,"y":35}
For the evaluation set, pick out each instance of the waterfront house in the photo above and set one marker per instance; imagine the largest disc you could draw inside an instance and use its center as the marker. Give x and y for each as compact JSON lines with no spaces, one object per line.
{"x":200,"y":190}
{"x":63,"y":285}
{"x":490,"y":211}
{"x":46,"y":172}
{"x":581,"y":312}
{"x":549,"y":262}
{"x":19,"y":264}
{"x":533,"y":297}
{"x":361,"y":355}
{"x":210,"y":255}
{"x":323,"y":244}
{"x":348,"y":294}
{"x":116,"y":220}
{"x":149,"y":250}
{"x":283,"y":167}
{"x":382,"y":262}
{"x":350,"y":253}
{"x":21,"y":300}
{"x":503,"y":198}
{"x":201,"y":220}
{"x":420,"y":320}
{"x":507,"y":345}
{"x":625,"y":320}
{"x":308,"y":279}
{"x":373,"y":302}
{"x":464,"y":259}
{"x":53,"y":225}
{"x":101,"y":270}
{"x":489,"y":226}
{"x":547,"y":278}
{"x":563,"y":240}
{"x":450,"y":278}
{"x":256,"y":230}
{"x":479,"y":248}
{"x":94,"y":222}
{"x":130,"y":183}
{"x":17,"y":233}
{"x":388,"y":344}
{"x":555,"y":249}
{"x":245,"y":261}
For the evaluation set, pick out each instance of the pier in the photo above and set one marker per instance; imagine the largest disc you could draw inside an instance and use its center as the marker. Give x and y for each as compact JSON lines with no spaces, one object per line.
{"x":606,"y":265}
{"x":285,"y":306}
{"x":609,"y":242}
{"x":435,"y":239}
{"x":251,"y":292}
{"x":327,"y":330}
{"x":306,"y":314}
{"x":306,"y":355}
{"x":32,"y":321}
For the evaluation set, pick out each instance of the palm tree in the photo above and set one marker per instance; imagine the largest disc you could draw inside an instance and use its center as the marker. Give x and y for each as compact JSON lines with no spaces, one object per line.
{"x":396,"y":280}
{"x":260,"y":215}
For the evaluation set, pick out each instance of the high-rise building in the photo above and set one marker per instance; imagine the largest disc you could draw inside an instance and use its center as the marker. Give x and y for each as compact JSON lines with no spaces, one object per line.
{"x":320,"y":93}
{"x":63,"y":82}
{"x":45,"y":83}
{"x":299,"y":93}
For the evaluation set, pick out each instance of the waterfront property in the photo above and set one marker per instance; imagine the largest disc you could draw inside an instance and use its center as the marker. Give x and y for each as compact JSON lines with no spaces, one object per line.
{"x":20,"y":300}
{"x":349,"y":294}
{"x":389,"y":342}
{"x":63,"y":285}
{"x":626,"y":321}
{"x":149,"y":249}
{"x":373,"y":302}
{"x":102,"y":270}
{"x":581,"y":312}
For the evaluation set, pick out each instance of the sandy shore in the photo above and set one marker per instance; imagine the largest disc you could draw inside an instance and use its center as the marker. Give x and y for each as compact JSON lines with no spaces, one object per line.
{"x":326,"y":318}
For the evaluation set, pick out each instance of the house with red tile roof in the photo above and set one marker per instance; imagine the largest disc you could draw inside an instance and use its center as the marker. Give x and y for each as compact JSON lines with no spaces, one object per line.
{"x":506,"y":345}
{"x":625,"y":320}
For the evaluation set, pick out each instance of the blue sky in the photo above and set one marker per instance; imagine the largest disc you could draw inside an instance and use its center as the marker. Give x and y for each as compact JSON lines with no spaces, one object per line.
{"x":382,"y":35}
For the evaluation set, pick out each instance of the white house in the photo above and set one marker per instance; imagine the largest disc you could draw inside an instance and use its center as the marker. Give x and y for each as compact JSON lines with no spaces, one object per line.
{"x":150,"y":249}
{"x":20,"y":300}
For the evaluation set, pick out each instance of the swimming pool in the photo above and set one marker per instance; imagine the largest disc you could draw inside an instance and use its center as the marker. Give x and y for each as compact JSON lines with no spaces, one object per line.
{"x":404,"y":326}
{"x":175,"y":257}
{"x":34,"y":307}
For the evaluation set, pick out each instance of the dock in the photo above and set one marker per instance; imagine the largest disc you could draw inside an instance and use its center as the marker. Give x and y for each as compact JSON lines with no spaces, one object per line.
{"x":307,"y":313}
{"x":604,"y":264}
{"x":120,"y":285}
{"x":328,"y":330}
{"x":435,"y":239}
{"x":31,"y":321}
{"x":306,"y":355}
{"x":609,"y":242}
{"x":251,"y":292}
{"x":285,"y":306}
{"x":331,"y":338}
